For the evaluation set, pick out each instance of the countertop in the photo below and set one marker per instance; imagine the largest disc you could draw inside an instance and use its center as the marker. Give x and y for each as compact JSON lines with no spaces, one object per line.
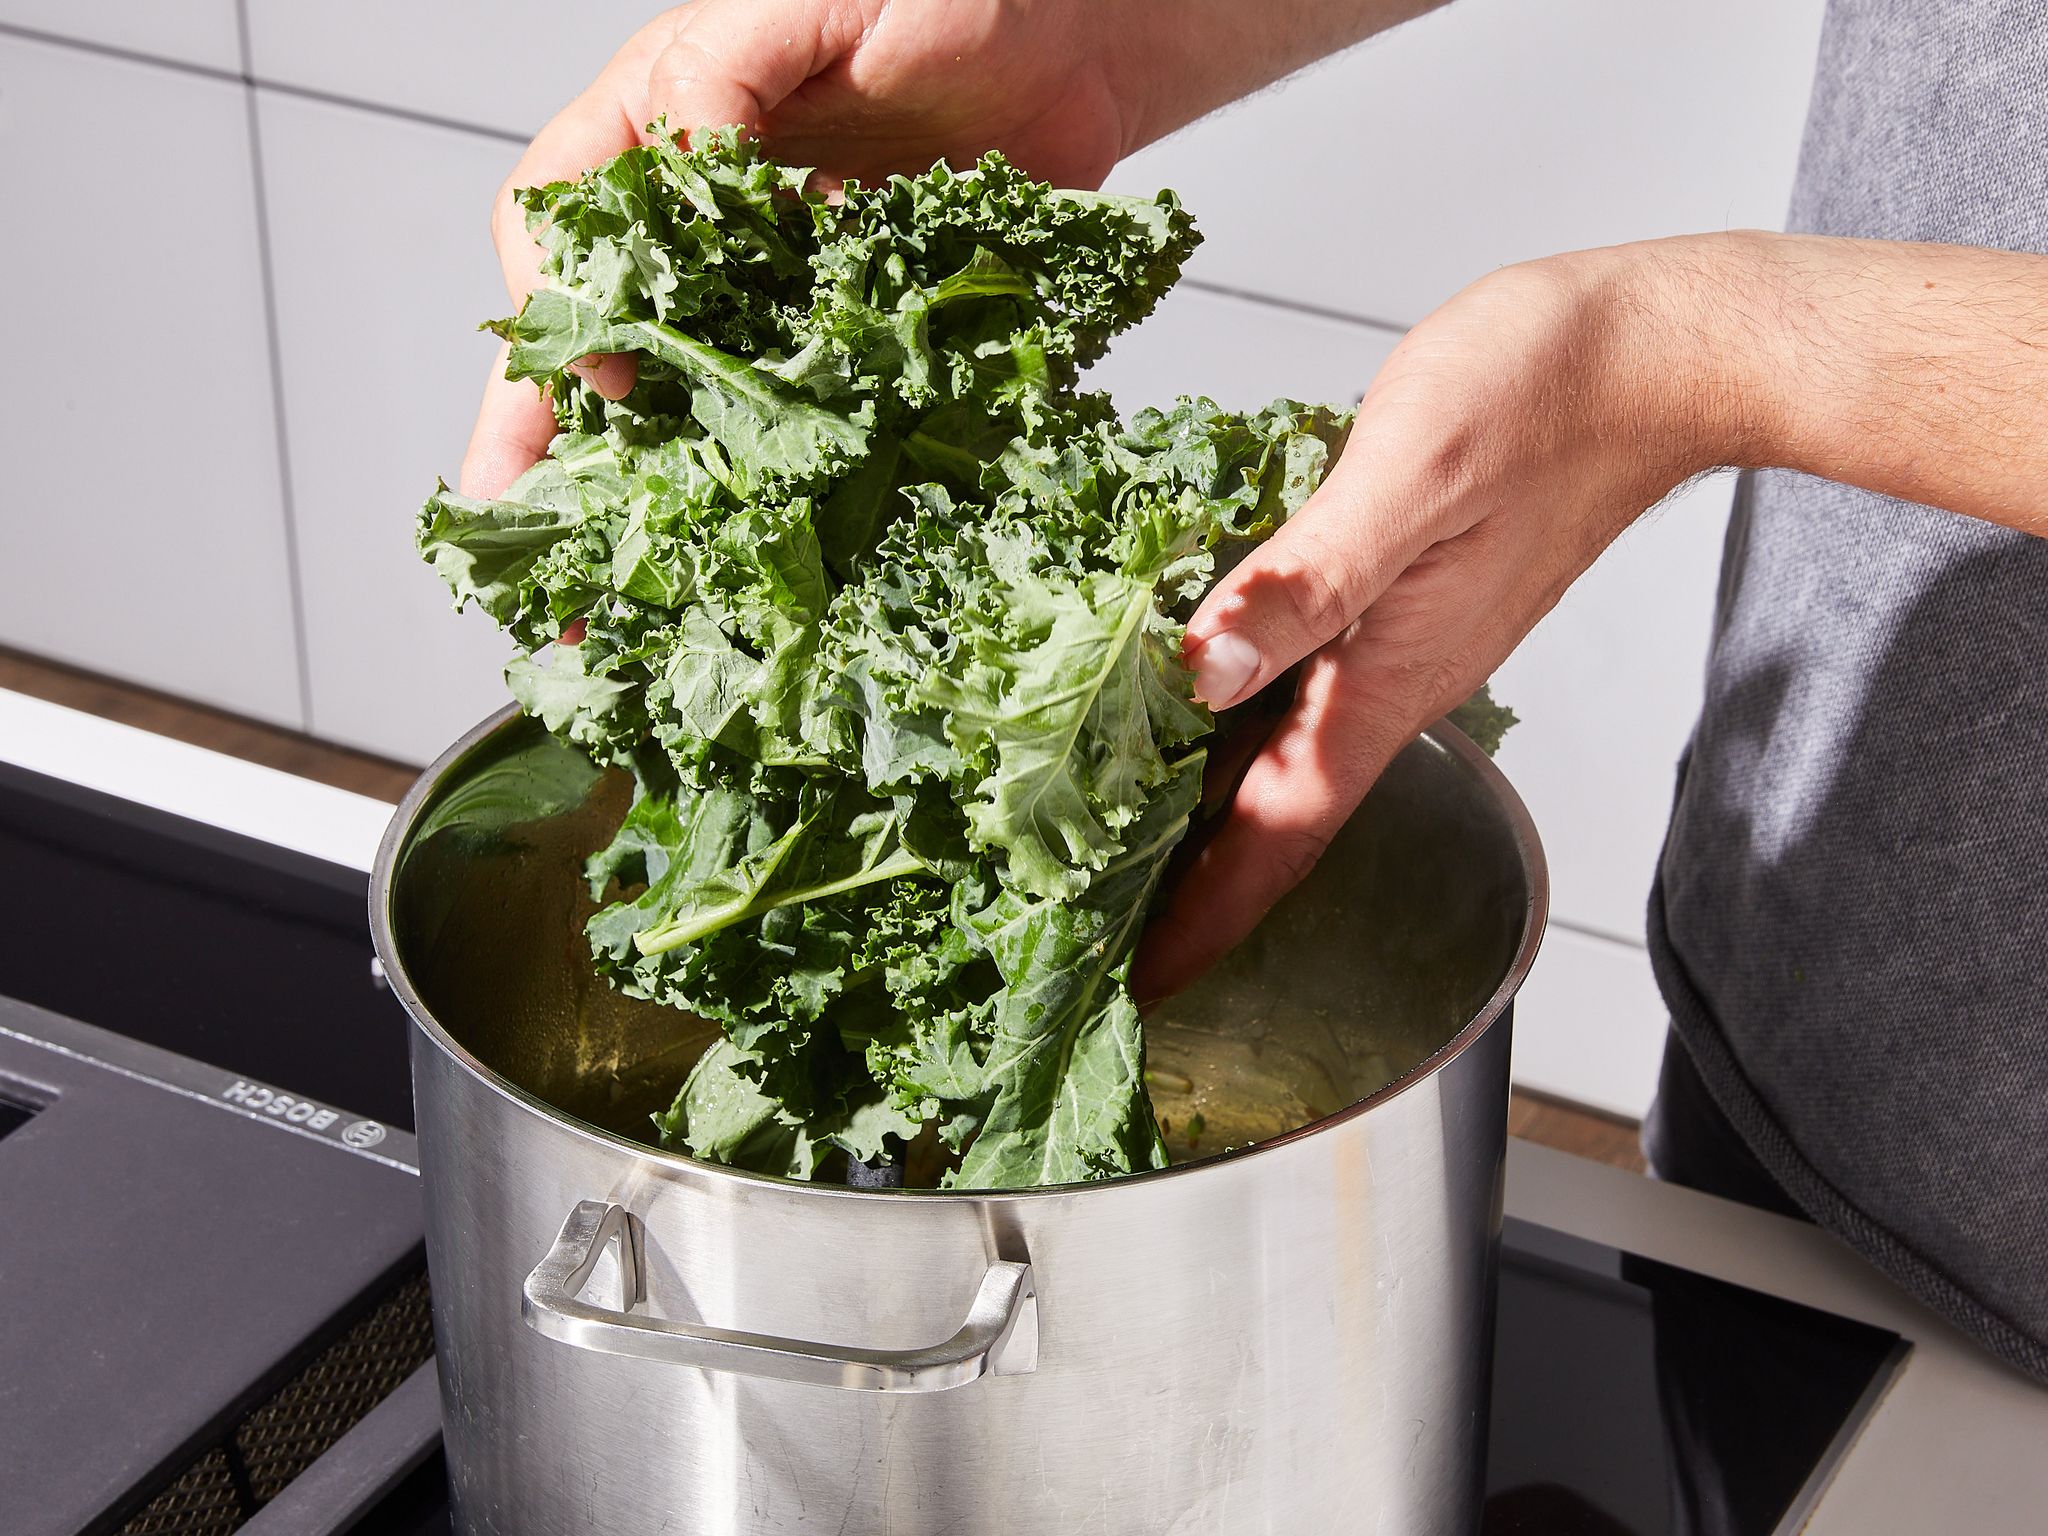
{"x":1959,"y":1444}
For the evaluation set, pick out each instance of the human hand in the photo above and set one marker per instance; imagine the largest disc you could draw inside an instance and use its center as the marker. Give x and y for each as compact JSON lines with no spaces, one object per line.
{"x":1506,"y":442}
{"x":858,"y":88}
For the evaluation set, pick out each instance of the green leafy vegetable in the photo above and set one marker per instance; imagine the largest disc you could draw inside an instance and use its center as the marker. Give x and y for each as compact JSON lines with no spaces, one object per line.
{"x":882,"y":612}
{"x":1484,"y":720}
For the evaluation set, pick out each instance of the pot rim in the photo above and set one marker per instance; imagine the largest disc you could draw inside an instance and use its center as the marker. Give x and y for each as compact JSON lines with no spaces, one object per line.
{"x":1444,"y":736}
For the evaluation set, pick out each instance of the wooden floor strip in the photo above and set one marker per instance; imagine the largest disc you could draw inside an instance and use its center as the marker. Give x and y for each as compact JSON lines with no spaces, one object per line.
{"x":202,"y":726}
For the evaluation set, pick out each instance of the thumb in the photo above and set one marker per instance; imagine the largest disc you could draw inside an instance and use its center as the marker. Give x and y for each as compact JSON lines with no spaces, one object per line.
{"x":735,"y":61}
{"x":1306,"y":584}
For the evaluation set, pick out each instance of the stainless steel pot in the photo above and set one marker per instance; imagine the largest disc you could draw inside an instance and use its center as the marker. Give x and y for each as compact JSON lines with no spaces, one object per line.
{"x":1290,"y":1338}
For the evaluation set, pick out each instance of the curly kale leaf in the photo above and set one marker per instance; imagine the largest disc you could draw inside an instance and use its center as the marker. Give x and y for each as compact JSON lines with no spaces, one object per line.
{"x":1484,"y":719}
{"x":882,"y":611}
{"x":1065,"y":1061}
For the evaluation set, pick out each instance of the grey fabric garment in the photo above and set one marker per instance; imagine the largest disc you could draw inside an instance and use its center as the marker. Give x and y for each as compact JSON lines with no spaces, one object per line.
{"x":1850,"y":924}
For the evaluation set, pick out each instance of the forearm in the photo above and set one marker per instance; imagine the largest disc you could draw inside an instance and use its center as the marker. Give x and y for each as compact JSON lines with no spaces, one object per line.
{"x":1181,"y":59}
{"x":1917,"y":371}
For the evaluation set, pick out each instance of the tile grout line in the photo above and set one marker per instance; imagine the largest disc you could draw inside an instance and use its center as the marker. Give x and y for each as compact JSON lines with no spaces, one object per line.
{"x":386,"y":109}
{"x":1296,"y":306}
{"x":116,"y":51}
{"x":274,"y":351}
{"x":1602,"y":935}
{"x":246,"y":76}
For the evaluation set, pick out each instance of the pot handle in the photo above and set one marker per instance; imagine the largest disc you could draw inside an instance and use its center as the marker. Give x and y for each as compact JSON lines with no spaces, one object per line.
{"x":999,"y":1337}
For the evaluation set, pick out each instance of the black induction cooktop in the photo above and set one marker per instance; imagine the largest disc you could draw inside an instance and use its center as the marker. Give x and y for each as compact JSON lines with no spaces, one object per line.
{"x":251,"y":1073}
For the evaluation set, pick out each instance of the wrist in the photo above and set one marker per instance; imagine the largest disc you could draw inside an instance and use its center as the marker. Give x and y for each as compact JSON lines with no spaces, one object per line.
{"x":1696,"y":342}
{"x":1170,"y":62}
{"x":1161,"y":63}
{"x":1733,"y":286}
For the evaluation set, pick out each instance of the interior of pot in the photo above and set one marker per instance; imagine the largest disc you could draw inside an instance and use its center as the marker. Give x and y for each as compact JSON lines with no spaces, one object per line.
{"x":1398,"y":940}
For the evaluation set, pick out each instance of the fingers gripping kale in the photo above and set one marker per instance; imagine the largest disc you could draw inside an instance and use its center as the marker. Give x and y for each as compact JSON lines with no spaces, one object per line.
{"x":880,"y":613}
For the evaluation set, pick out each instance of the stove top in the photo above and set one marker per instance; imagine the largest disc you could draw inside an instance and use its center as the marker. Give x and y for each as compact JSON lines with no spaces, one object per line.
{"x":219,"y":1323}
{"x":1632,"y":1398}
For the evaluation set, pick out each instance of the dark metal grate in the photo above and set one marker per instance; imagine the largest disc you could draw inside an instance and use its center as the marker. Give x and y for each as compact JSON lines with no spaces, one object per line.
{"x":204,"y":1502}
{"x":285,"y":1434}
{"x":320,"y":1404}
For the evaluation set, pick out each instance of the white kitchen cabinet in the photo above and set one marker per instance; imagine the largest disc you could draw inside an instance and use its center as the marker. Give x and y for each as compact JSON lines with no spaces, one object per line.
{"x":199,"y":32}
{"x":384,"y":267}
{"x":507,"y":65}
{"x":1492,"y":131}
{"x":141,"y":530}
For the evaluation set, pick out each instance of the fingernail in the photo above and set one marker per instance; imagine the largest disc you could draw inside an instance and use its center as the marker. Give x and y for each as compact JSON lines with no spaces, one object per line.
{"x":1223,"y":665}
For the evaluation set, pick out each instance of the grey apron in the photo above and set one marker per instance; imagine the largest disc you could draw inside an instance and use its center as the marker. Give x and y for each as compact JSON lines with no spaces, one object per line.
{"x":1850,"y":921}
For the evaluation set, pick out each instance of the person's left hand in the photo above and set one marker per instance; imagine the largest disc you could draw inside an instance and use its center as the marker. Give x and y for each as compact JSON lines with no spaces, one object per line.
{"x":1507,"y":441}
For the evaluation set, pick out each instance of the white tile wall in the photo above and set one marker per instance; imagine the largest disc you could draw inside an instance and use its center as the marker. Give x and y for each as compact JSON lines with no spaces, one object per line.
{"x":1241,"y":354}
{"x":1589,"y":1024}
{"x":1489,"y":132}
{"x":384,"y":267}
{"x":508,"y":65}
{"x":189,"y":31}
{"x":142,"y":532}
{"x":1607,"y":687}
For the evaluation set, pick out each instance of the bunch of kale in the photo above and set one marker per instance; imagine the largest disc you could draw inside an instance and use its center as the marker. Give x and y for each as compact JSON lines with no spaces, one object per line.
{"x":879,"y":611}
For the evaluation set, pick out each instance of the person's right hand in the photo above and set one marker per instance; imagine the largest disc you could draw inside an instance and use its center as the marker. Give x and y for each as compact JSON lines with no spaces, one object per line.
{"x":858,"y":88}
